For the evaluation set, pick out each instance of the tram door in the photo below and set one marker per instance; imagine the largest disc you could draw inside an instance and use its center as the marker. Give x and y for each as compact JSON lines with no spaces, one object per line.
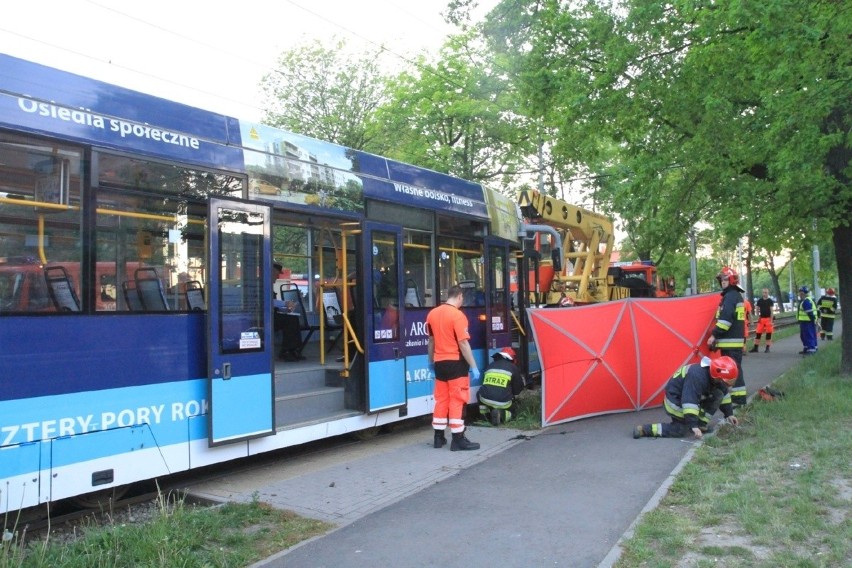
{"x":239,"y":334}
{"x":498,"y":325}
{"x":384,"y":338}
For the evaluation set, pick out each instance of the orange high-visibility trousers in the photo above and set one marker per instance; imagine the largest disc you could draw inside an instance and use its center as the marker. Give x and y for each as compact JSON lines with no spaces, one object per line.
{"x":450,"y":399}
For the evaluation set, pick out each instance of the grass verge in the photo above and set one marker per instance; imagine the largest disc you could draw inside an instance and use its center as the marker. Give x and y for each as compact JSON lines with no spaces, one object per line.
{"x":774,"y":492}
{"x":181,"y":535}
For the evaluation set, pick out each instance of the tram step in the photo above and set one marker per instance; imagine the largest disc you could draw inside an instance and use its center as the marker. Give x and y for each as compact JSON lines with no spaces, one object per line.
{"x":299,"y":380}
{"x":308,"y":405}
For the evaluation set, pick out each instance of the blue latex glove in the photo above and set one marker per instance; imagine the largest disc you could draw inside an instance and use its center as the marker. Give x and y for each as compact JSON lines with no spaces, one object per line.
{"x":474,"y":374}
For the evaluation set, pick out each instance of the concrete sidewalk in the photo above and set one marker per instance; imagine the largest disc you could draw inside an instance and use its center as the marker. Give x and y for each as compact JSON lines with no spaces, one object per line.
{"x":562,"y":496}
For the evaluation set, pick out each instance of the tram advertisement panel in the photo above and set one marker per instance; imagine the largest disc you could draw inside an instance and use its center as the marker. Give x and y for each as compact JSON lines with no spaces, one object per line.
{"x":239,"y":326}
{"x":386,"y":387}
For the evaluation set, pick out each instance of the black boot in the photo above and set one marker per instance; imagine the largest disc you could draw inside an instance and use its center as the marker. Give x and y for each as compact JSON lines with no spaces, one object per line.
{"x":643,"y":431}
{"x":462,"y":443}
{"x":754,"y":348}
{"x":440,"y":439}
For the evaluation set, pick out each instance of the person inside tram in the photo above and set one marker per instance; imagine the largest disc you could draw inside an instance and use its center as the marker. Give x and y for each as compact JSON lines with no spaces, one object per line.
{"x":286,"y":320}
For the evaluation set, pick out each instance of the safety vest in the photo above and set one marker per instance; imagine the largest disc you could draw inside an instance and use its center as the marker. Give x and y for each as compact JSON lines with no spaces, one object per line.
{"x":827,"y":306}
{"x":806,"y":313}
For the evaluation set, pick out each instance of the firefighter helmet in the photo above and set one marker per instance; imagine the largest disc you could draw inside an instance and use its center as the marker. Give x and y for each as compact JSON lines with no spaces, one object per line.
{"x":728,"y":274}
{"x":804,"y":290}
{"x":830,"y":291}
{"x":724,"y":369}
{"x":506,"y":353}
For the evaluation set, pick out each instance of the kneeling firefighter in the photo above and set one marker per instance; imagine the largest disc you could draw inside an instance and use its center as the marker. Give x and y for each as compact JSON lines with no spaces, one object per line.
{"x":501,"y":383}
{"x":693,"y":395}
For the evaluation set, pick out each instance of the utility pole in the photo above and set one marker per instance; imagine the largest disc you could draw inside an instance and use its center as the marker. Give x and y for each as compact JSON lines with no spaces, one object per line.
{"x":816,"y":266}
{"x":790,"y":295}
{"x":693,"y":264}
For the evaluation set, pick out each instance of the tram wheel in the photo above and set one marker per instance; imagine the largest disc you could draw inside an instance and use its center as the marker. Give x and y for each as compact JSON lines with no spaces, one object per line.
{"x":366,"y":434}
{"x":101,"y":499}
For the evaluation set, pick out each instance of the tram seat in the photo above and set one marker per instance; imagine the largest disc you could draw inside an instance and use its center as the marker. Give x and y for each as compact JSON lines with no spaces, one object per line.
{"x":333,"y":317}
{"x":131,"y":296}
{"x":293,"y":299}
{"x":412,"y":294}
{"x":61,"y":289}
{"x":194,"y":296}
{"x":150,"y":290}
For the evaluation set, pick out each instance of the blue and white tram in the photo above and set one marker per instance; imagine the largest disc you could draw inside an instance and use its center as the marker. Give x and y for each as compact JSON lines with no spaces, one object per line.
{"x":140,"y":325}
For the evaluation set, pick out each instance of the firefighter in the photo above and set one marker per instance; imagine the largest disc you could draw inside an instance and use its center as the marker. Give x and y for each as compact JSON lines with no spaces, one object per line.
{"x":728,"y":335}
{"x":693,"y":395}
{"x":765,"y":321}
{"x":501,"y":383}
{"x":807,"y":318}
{"x":827,"y":306}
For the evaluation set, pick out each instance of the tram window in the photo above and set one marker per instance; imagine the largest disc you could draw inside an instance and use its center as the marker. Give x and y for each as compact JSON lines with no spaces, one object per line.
{"x":417,"y":269}
{"x":39,"y":219}
{"x":385,"y":287}
{"x":499,"y":297}
{"x":408,"y":217}
{"x":152,"y":215}
{"x":290,"y":246}
{"x":460,"y":227}
{"x":460,"y":263}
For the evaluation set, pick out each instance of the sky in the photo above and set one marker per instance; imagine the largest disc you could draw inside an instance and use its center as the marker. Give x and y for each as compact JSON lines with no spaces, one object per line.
{"x":208,"y":54}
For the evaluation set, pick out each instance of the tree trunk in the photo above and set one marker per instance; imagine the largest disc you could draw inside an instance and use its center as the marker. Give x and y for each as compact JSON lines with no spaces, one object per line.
{"x":842,"y":237}
{"x":776,"y":284}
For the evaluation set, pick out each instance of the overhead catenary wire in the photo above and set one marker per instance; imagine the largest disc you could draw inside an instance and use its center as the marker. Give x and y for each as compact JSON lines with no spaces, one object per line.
{"x":219,"y":49}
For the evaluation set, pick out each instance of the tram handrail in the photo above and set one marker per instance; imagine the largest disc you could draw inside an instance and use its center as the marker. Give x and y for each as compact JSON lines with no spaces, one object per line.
{"x":521,"y":329}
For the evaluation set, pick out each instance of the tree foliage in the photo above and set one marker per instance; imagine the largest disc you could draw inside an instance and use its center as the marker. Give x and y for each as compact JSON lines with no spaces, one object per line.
{"x":457,"y":115}
{"x":326,"y":92}
{"x":730,"y":112}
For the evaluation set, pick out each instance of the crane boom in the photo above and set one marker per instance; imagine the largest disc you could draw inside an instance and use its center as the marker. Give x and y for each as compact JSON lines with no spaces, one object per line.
{"x":587,"y":240}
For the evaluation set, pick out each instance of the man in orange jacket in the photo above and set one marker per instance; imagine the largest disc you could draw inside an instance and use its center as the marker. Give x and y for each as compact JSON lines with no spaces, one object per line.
{"x":450,"y":359}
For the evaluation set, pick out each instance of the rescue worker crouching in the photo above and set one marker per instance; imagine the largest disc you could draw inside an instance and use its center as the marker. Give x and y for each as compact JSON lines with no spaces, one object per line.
{"x":693,"y":395}
{"x":501,"y":383}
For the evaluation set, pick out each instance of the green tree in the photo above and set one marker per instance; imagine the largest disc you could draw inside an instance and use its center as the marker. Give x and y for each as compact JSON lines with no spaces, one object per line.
{"x":708,"y":108}
{"x":457,"y":115}
{"x":326,"y":92}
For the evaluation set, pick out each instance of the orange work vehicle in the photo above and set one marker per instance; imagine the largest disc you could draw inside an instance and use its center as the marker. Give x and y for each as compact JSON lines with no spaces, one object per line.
{"x":642,"y":278}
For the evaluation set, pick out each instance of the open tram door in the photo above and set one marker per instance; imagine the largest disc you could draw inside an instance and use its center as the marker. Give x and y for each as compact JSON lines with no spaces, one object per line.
{"x":383,"y":296}
{"x":239,"y":332}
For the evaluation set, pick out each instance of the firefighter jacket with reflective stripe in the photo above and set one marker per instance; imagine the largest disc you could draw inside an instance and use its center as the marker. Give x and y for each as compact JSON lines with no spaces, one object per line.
{"x":827,"y":306}
{"x":730,"y":320}
{"x":501,"y":382}
{"x":807,"y":310}
{"x":688,"y":388}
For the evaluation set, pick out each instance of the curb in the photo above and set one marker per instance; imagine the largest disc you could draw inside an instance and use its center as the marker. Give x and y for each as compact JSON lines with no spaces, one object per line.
{"x":615,"y":552}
